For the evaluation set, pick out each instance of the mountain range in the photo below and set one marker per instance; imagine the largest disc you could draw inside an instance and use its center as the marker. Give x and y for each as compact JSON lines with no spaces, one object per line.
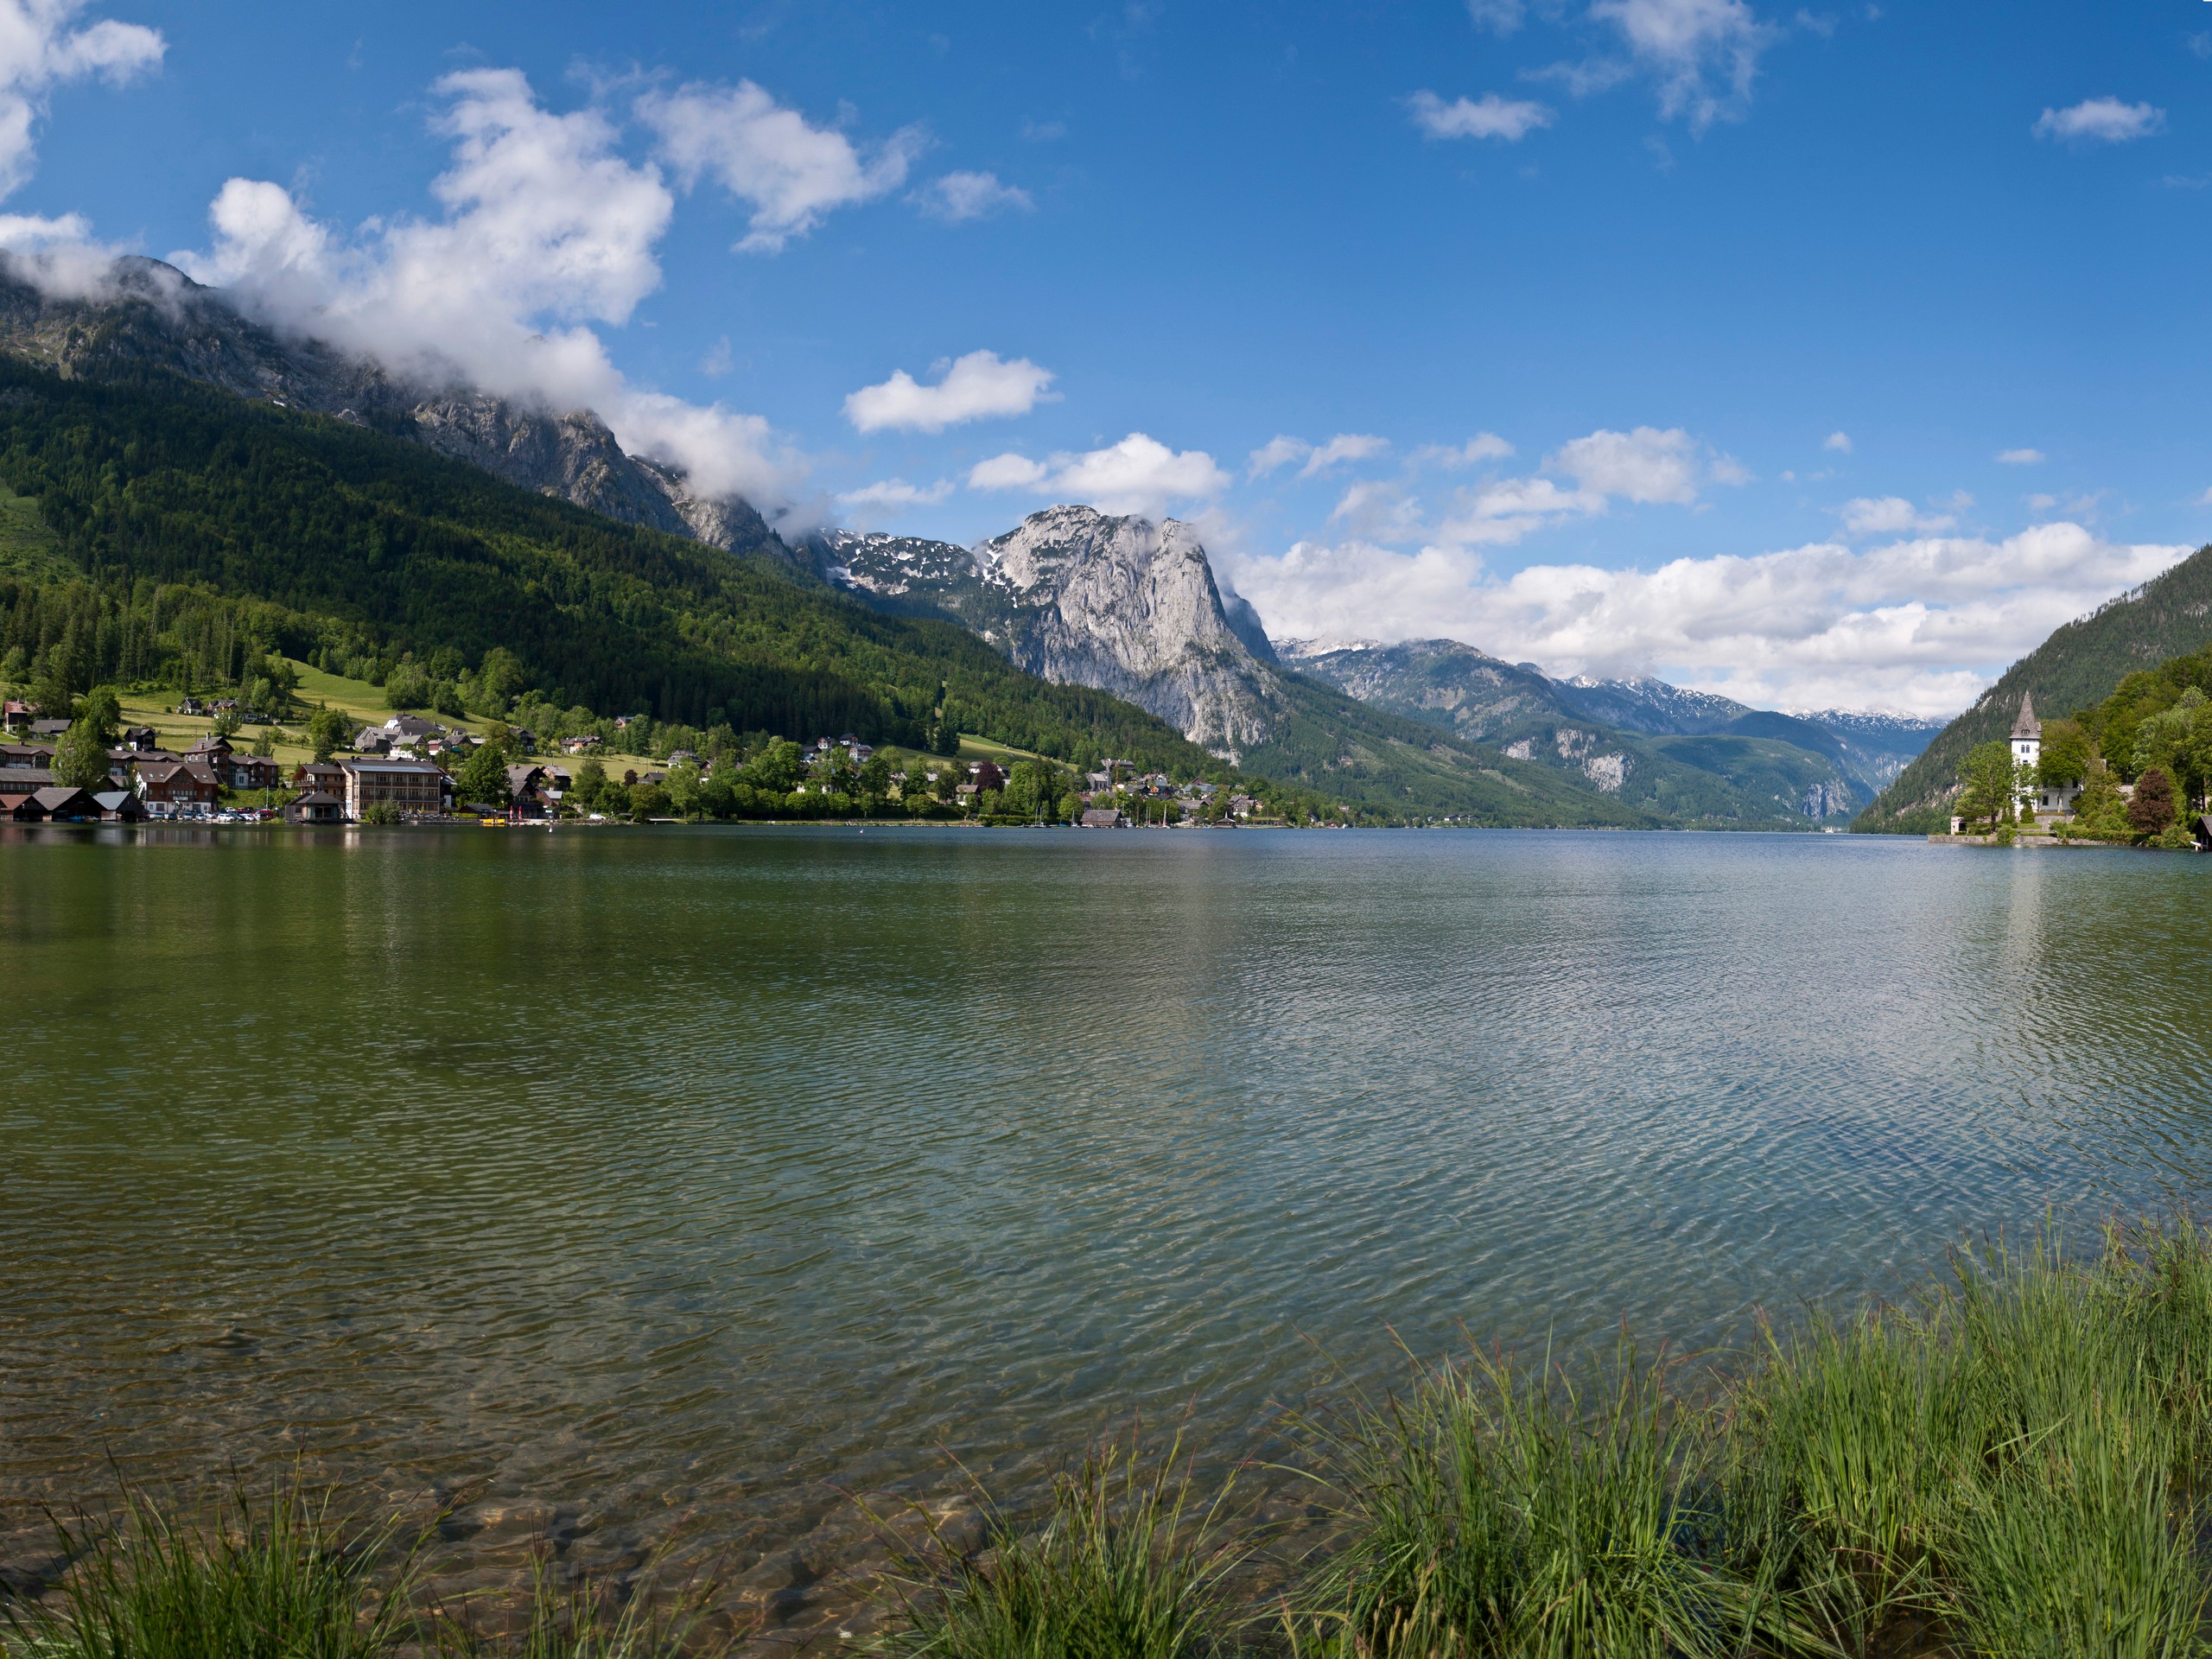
{"x":1070,"y":596}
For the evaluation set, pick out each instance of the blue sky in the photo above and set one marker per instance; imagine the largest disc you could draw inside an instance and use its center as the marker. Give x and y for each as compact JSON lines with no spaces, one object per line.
{"x":1670,"y":335}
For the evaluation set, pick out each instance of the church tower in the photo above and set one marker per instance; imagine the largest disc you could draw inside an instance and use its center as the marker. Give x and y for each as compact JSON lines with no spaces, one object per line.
{"x":2027,"y":741}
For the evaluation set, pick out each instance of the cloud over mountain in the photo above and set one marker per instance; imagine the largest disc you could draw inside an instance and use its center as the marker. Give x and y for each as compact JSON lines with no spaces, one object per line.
{"x":976,"y":387}
{"x":1139,"y":475}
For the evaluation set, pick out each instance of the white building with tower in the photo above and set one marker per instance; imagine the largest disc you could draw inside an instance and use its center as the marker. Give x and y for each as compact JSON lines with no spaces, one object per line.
{"x":2047,"y":799}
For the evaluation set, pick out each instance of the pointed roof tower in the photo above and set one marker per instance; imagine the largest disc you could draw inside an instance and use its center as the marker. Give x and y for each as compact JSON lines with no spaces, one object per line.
{"x":2027,"y":725}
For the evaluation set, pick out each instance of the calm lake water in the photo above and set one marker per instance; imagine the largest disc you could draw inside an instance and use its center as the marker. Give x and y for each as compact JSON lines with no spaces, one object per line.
{"x":648,"y":1190}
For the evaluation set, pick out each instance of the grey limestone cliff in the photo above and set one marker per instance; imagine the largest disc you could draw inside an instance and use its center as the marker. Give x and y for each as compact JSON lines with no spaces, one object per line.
{"x":1083,"y":598}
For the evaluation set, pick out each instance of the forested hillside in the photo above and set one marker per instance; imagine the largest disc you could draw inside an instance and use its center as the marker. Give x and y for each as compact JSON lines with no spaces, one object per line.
{"x":2077,"y":667}
{"x":340,"y":540}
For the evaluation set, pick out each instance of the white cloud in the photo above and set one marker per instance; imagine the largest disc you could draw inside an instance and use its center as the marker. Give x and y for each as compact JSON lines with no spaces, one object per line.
{"x":1491,"y":117}
{"x":1345,"y":446}
{"x":1378,"y":510}
{"x":1646,"y":465}
{"x":1008,"y":471}
{"x":897,"y":492}
{"x":1704,"y":54}
{"x":1889,"y":515}
{"x":1503,"y":16}
{"x":2100,"y":120}
{"x":1918,"y":625}
{"x":791,"y":171}
{"x":40,"y":50}
{"x":1838,"y":442}
{"x":979,"y":386}
{"x":1139,"y":475}
{"x":2023,"y":457}
{"x":1278,"y":451}
{"x":546,"y":230}
{"x":1483,"y":446}
{"x":959,"y":196}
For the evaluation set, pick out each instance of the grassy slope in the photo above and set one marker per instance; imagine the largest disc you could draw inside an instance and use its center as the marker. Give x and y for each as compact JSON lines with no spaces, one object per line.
{"x":2077,"y":666}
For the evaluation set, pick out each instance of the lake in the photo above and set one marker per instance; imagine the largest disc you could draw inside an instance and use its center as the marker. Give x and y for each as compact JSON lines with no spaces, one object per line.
{"x":651,"y":1190}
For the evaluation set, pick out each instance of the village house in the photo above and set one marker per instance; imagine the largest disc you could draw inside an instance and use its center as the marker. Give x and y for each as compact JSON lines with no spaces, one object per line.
{"x":408,"y":728}
{"x":985,"y":774}
{"x":372,"y":739}
{"x":19,"y":784}
{"x":1102,"y":818}
{"x":410,"y":785}
{"x":580,"y":743}
{"x":325,"y":775}
{"x":49,"y":729}
{"x":526,"y":797}
{"x":16,"y":716}
{"x":174,"y":789}
{"x":253,"y":772}
{"x":26,"y":754}
{"x":315,"y":806}
{"x":55,"y":803}
{"x":141,"y":739}
{"x":120,"y":806}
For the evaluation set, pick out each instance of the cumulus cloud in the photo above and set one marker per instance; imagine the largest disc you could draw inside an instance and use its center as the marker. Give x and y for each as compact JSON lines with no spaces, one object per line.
{"x":791,"y":172}
{"x":1491,"y":117}
{"x":546,"y":230}
{"x":40,"y":49}
{"x":960,"y":196}
{"x":1889,"y":515}
{"x":1704,"y":54}
{"x":1839,"y":442}
{"x":978,"y":386}
{"x":1917,"y":626}
{"x":2022,"y":457}
{"x":1502,"y":15}
{"x":1646,"y":465}
{"x":2099,"y":120}
{"x":1139,"y":475}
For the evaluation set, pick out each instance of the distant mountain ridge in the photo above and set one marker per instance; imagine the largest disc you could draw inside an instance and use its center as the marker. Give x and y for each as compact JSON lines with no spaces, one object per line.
{"x":1686,"y":754}
{"x":2079,"y":665}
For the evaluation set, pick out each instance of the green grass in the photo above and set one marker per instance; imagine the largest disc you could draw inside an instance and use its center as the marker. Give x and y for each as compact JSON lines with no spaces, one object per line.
{"x":287,"y":1577}
{"x":1129,"y":1564}
{"x":282,"y":1578}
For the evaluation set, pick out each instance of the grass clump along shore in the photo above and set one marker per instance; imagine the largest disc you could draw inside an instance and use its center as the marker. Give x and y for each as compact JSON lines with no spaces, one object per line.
{"x":2011,"y":1464}
{"x":286,"y":1577}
